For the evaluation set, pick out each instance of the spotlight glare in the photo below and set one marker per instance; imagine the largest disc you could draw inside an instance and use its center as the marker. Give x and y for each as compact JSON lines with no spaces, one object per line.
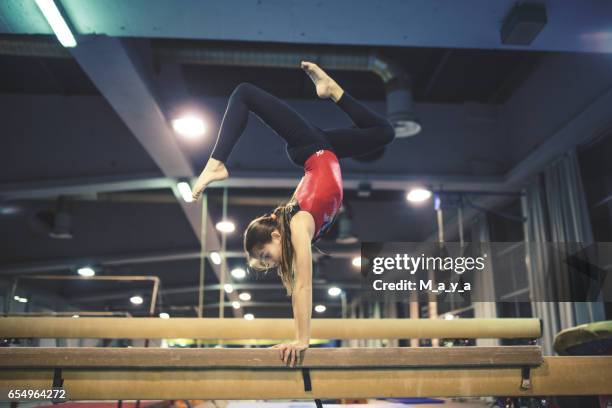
{"x":334,"y":291}
{"x":215,"y":257}
{"x":228,"y":288}
{"x":417,"y":195}
{"x":76,"y":316}
{"x":137,"y":300}
{"x":189,"y":125}
{"x":86,"y":272}
{"x":236,"y":304}
{"x":320,"y":308}
{"x":226,"y":226}
{"x":164,"y":315}
{"x":249,"y":316}
{"x":23,"y":300}
{"x":238,"y":273}
{"x":357,"y":262}
{"x":185,"y":189}
{"x":245,"y":296}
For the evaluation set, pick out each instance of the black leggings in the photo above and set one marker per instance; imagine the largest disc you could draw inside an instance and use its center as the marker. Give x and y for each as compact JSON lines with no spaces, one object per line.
{"x":372,"y":131}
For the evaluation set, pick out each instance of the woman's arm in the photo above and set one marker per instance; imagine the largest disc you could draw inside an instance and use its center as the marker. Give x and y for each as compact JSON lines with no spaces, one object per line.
{"x":302,"y":230}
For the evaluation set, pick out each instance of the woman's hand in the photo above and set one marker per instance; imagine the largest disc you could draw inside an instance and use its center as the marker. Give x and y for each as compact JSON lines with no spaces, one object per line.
{"x":289,"y":352}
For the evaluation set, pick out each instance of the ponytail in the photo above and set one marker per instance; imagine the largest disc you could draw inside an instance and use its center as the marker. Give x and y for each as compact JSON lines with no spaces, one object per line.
{"x":259,"y":232}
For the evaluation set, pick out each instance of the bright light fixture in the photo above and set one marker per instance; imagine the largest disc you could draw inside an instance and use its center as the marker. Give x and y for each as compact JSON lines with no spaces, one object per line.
{"x":448,"y":316}
{"x":245,"y":296}
{"x":76,"y":316}
{"x":228,"y":288}
{"x":23,"y":300}
{"x":8,"y":210}
{"x":226,"y":226}
{"x":86,"y":272}
{"x":334,"y":291}
{"x":249,"y":316}
{"x":57,"y":22}
{"x":137,"y":300}
{"x":189,"y":125}
{"x":238,"y":273}
{"x":407,"y":128}
{"x":185,"y":189}
{"x":417,"y":195}
{"x":164,"y":315}
{"x":236,"y":304}
{"x":320,"y":308}
{"x":215,"y":257}
{"x":356,"y":262}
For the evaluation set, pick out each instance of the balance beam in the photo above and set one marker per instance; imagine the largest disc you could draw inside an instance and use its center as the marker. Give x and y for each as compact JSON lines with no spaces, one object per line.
{"x":96,"y":357}
{"x":357,"y":373}
{"x":279,"y":329}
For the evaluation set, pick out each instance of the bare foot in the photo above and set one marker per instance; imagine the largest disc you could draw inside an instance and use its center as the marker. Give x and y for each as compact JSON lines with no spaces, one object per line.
{"x":213,"y":171}
{"x":326,"y":86}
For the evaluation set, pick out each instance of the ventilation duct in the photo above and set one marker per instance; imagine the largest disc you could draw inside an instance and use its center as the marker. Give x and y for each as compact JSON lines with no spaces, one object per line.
{"x":396,"y":80}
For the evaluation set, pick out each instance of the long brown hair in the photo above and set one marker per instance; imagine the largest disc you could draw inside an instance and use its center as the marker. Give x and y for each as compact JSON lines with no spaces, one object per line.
{"x":259,"y":232}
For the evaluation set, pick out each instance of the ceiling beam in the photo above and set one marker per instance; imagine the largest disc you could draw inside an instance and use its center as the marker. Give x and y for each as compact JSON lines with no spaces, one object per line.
{"x":122,"y":71}
{"x":242,"y":180}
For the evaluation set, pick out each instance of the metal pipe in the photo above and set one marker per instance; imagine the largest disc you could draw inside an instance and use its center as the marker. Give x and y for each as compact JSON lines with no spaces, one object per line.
{"x":130,"y":278}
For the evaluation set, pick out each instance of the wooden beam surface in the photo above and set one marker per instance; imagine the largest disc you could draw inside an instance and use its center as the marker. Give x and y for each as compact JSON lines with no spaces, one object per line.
{"x":232,"y":328}
{"x":556,"y":376}
{"x":93,"y":357}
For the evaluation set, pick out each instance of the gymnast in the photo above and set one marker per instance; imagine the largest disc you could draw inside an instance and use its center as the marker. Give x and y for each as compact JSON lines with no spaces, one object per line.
{"x":283,"y":238}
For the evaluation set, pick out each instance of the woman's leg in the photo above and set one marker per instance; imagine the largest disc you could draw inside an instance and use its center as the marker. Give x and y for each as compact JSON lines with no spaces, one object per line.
{"x":274,"y":112}
{"x":372,"y":131}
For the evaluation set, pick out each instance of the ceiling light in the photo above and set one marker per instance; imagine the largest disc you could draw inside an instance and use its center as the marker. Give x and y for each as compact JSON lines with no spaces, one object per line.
{"x":189,"y":125}
{"x":76,"y":316}
{"x":57,"y":22}
{"x":215,"y":257}
{"x":228,"y":288}
{"x":417,"y":195}
{"x":245,"y":296}
{"x":226,"y":226}
{"x":406,"y":128}
{"x":137,"y":300}
{"x":320,"y":308}
{"x":86,"y":272}
{"x":334,"y":291}
{"x":23,"y":300}
{"x":238,"y":273}
{"x":249,"y":316}
{"x":8,"y":210}
{"x":356,"y":262}
{"x":164,"y":315}
{"x":185,"y":189}
{"x":236,"y":304}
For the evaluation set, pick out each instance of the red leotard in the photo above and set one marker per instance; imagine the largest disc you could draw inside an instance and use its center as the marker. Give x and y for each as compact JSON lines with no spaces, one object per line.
{"x":320,"y":190}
